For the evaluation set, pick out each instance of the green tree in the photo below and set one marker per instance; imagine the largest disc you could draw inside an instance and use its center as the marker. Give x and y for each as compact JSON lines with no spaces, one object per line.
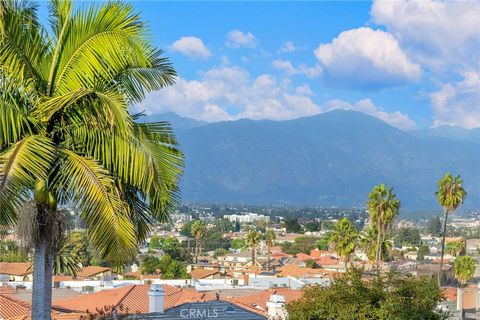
{"x":349,"y":297}
{"x":408,"y":236}
{"x":198,"y":231}
{"x":252,"y":241}
{"x":383,"y":206}
{"x":67,"y":135}
{"x":154,"y":242}
{"x":303,"y":244}
{"x":238,"y":244}
{"x":344,"y":239}
{"x":220,"y":252}
{"x":310,"y":263}
{"x":422,"y":252}
{"x":456,"y":248}
{"x":435,"y":227}
{"x":269,"y":240}
{"x":464,"y":269}
{"x":313,"y":226}
{"x":368,"y":243}
{"x":450,"y":196}
{"x":175,"y":270}
{"x":150,"y":265}
{"x":292,"y":226}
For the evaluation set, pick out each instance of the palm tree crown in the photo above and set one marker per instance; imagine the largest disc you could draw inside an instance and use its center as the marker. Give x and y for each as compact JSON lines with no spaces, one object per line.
{"x":464,"y":268}
{"x":252,"y":241}
{"x":344,"y":239}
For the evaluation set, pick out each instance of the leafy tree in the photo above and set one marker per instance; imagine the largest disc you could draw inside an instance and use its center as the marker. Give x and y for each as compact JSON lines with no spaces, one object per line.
{"x":66,"y":261}
{"x":187,"y":229}
{"x":64,"y":106}
{"x":252,"y":241}
{"x":150,"y":265}
{"x":198,"y":231}
{"x":464,"y":269}
{"x":422,"y":252}
{"x":313,"y":226}
{"x":292,"y":225}
{"x":224,"y":225}
{"x":269,"y":239}
{"x":238,"y":244}
{"x":78,"y":242}
{"x":456,"y":248}
{"x":154,"y":242}
{"x":220,"y":252}
{"x":310,"y":263}
{"x":435,"y":227}
{"x":175,"y":270}
{"x":344,"y":239}
{"x":322,"y":244}
{"x":450,"y":196}
{"x":349,"y":297}
{"x":383,"y":206}
{"x":409,"y":236}
{"x":303,"y":244}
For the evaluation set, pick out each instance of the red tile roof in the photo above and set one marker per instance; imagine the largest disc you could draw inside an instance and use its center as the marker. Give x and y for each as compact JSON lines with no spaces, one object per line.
{"x":15,"y":268}
{"x":203,"y":273}
{"x":134,"y":298}
{"x":11,"y":308}
{"x":91,"y":271}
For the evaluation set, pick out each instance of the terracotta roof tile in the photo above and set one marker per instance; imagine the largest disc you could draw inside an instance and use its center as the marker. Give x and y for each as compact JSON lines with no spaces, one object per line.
{"x":15,"y":268}
{"x":91,"y":271}
{"x":11,"y":308}
{"x":203,"y":273}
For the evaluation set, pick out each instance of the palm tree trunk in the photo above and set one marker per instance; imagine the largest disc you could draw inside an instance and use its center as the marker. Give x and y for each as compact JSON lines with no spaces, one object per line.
{"x":443,"y":247}
{"x":378,"y":248}
{"x":268,"y":257}
{"x":38,"y":286}
{"x":253,"y":256}
{"x":196,"y":250}
{"x":49,"y":257}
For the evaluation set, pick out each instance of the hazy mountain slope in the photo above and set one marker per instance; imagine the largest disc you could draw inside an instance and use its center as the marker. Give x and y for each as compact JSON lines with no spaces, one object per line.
{"x":451,"y":132}
{"x":330,"y":159}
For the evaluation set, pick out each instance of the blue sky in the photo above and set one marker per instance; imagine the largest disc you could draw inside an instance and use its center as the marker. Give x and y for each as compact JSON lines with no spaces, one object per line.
{"x":413,"y":64}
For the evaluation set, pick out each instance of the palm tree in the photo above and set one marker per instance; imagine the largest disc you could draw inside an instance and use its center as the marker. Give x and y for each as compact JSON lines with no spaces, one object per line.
{"x":198,"y":231}
{"x":368,"y":238}
{"x":67,"y":135}
{"x":252,"y":241}
{"x":464,"y":269}
{"x":450,"y":196}
{"x":344,"y":239}
{"x":383,"y":206}
{"x":269,"y":239}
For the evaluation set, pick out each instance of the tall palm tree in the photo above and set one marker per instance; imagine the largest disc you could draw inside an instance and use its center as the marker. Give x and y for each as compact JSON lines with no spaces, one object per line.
{"x":450,"y":196}
{"x":198,"y":230}
{"x":269,"y":239}
{"x":252,"y":241}
{"x":344,"y":239}
{"x":67,"y":135}
{"x":383,"y":206}
{"x":464,"y":269}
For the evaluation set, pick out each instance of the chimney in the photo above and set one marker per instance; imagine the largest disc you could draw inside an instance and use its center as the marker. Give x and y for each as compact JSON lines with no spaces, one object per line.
{"x":276,"y":307}
{"x":156,"y":298}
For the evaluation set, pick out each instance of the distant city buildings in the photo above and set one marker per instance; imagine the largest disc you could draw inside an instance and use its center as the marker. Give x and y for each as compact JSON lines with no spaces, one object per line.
{"x":246,"y":217}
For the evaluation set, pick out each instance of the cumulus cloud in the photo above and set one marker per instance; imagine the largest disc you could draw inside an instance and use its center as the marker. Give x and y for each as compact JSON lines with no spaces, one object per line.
{"x":288,"y":69}
{"x":435,"y":33}
{"x":191,"y":47}
{"x":229,"y":93}
{"x":395,"y":119}
{"x":458,"y":103}
{"x":367,"y":59}
{"x":237,"y":39}
{"x":287,"y":47}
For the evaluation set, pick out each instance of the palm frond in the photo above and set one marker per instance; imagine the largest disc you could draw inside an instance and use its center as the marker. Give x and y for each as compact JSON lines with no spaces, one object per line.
{"x":87,"y":184}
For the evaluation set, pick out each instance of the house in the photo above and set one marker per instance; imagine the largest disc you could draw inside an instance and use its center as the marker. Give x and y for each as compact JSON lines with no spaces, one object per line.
{"x":16,"y":271}
{"x":205,"y":274}
{"x":411,"y":255}
{"x":96,"y":273}
{"x":235,"y":260}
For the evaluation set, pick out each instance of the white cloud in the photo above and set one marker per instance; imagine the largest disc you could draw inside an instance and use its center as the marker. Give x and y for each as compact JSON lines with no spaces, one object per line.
{"x":395,"y":119}
{"x":367,"y":59}
{"x":191,"y":47}
{"x":230,"y":92}
{"x":237,"y":39}
{"x":288,"y":69}
{"x":458,"y":103}
{"x":435,"y":33}
{"x":287,"y":47}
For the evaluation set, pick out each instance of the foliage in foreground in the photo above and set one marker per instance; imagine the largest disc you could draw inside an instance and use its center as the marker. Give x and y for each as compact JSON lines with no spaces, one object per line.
{"x":384,"y":297}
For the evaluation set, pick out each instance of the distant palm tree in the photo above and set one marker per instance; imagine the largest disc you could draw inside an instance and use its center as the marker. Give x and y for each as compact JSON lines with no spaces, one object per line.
{"x":450,"y":196}
{"x":464,"y":269}
{"x":368,"y":238}
{"x":383,"y":206}
{"x":344,"y":239}
{"x":198,"y":230}
{"x":252,"y":241}
{"x":269,"y":239}
{"x":66,"y":133}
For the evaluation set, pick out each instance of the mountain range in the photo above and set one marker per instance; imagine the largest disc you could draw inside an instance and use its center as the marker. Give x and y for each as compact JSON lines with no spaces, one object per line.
{"x":330,"y":159}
